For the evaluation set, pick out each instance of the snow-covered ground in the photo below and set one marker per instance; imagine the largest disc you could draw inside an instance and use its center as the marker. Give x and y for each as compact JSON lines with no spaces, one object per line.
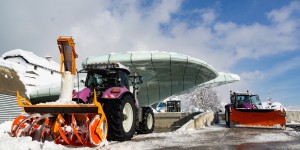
{"x":214,"y":137}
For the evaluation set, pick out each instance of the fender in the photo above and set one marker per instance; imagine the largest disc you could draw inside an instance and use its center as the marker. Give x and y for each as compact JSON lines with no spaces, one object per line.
{"x":82,"y":95}
{"x":114,"y":92}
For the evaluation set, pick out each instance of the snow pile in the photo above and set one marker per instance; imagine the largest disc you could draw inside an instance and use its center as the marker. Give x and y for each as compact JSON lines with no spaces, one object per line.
{"x":12,"y":143}
{"x":57,"y":102}
{"x":214,"y":137}
{"x":8,"y":142}
{"x":293,"y":108}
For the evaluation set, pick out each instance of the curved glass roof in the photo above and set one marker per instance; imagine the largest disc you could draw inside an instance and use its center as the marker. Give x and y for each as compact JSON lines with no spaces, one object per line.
{"x":164,"y":74}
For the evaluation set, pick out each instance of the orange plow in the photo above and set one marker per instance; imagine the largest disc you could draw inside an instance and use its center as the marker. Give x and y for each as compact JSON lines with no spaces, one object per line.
{"x":64,"y":124}
{"x":258,"y":117}
{"x":247,"y":110}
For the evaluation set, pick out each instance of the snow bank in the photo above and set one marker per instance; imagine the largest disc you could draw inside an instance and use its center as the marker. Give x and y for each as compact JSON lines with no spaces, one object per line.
{"x":214,"y":136}
{"x":12,"y":143}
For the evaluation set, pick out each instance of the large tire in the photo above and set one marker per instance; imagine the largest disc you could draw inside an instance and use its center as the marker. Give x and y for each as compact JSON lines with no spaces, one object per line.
{"x":147,"y":124}
{"x":227,"y":117}
{"x":121,"y":116}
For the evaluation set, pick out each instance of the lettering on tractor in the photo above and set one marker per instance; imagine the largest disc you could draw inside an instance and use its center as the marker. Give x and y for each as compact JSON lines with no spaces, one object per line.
{"x":246,"y":109}
{"x":107,"y":108}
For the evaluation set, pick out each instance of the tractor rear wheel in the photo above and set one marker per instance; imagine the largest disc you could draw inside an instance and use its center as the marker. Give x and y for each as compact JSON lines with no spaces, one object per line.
{"x":227,"y":117}
{"x":121,"y":118}
{"x":147,"y":124}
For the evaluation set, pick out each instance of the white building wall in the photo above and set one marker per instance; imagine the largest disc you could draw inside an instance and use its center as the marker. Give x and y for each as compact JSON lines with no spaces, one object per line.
{"x":9,"y":108}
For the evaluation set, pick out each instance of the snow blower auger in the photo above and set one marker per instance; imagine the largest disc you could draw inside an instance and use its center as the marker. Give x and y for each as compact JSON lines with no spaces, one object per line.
{"x":62,"y":122}
{"x":246,"y":110}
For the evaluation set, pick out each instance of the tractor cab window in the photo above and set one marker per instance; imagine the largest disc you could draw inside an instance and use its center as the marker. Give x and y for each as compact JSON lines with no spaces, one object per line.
{"x":106,"y":79}
{"x":111,"y":79}
{"x":240,"y":99}
{"x":93,"y":80}
{"x":248,"y":101}
{"x":256,"y":101}
{"x":123,"y":79}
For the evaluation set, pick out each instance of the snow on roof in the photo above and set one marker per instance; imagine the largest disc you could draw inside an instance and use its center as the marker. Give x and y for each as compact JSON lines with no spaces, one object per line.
{"x":32,"y":58}
{"x":11,"y":65}
{"x":42,"y":77}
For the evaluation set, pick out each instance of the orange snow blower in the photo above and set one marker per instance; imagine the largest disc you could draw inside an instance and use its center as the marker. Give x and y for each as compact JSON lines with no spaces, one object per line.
{"x":246,"y":110}
{"x":62,"y":122}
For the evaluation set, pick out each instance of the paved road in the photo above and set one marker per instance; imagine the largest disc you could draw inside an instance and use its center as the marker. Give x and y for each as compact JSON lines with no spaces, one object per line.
{"x":216,"y":137}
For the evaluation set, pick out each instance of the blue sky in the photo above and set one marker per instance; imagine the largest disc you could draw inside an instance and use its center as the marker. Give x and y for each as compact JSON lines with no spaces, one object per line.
{"x":256,"y":39}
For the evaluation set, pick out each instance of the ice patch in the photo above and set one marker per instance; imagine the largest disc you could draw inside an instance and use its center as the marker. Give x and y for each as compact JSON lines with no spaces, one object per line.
{"x":271,"y":137}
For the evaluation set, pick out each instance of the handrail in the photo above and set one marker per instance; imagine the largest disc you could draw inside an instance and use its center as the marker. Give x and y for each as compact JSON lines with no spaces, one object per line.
{"x":22,"y":101}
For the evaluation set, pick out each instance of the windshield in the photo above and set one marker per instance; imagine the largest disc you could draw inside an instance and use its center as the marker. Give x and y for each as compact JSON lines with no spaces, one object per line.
{"x":255,"y":100}
{"x":106,"y":79}
{"x":250,"y":99}
{"x":93,"y":80}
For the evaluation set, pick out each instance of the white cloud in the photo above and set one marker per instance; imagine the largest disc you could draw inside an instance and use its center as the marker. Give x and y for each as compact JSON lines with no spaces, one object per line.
{"x":221,"y":44}
{"x":133,"y":28}
{"x":285,"y":13}
{"x":101,"y":27}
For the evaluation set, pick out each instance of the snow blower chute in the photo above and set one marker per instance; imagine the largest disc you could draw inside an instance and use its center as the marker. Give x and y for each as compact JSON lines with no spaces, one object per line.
{"x":246,"y":110}
{"x":65,"y":121}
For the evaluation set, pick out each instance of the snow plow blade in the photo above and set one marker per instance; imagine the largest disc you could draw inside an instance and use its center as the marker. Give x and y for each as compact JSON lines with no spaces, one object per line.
{"x":67,"y":124}
{"x":268,"y":118}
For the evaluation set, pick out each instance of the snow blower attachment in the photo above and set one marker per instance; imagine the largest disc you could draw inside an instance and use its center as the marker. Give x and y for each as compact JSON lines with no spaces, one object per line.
{"x":246,"y":109}
{"x":65,"y":122}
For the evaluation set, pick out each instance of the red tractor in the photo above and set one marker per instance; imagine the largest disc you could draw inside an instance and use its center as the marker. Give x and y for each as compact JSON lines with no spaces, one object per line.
{"x":246,"y":109}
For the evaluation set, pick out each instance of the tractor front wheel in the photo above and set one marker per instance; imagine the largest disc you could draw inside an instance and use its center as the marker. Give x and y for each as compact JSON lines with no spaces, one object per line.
{"x":227,"y":117}
{"x":147,"y":124}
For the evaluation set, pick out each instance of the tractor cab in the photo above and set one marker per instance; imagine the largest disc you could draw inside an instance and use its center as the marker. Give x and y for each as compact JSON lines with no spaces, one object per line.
{"x":103,"y":79}
{"x":104,"y":76}
{"x":245,"y":101}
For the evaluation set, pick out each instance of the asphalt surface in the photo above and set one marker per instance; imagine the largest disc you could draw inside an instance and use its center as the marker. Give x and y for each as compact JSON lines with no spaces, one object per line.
{"x":248,"y":139}
{"x":214,"y":138}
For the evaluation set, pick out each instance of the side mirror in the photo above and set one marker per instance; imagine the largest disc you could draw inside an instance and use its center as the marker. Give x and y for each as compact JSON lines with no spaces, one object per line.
{"x":141,"y":79}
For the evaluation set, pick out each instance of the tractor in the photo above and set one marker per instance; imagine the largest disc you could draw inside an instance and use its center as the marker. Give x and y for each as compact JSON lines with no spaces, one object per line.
{"x":246,"y":109}
{"x":107,"y":108}
{"x":117,"y":92}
